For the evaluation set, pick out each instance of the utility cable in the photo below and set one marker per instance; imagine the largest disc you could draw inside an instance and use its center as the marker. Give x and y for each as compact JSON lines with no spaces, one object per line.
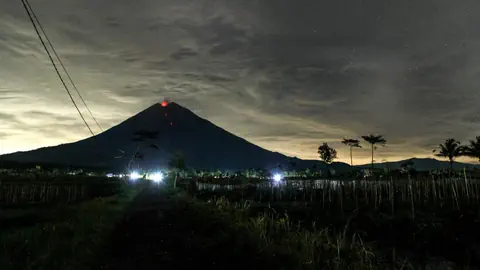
{"x":61,"y":63}
{"x":26,"y":6}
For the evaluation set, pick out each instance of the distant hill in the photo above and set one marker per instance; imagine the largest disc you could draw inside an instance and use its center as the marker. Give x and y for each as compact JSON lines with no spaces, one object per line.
{"x":203,"y":145}
{"x":422,"y":164}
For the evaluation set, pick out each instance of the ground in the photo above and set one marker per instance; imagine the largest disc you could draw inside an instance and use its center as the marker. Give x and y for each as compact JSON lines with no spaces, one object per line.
{"x":161,"y":230}
{"x":150,"y":226}
{"x":59,"y":236}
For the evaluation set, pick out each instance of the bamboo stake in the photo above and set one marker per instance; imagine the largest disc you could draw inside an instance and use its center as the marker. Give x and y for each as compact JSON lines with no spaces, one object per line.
{"x":392,"y":199}
{"x":341,"y":199}
{"x":411,"y":197}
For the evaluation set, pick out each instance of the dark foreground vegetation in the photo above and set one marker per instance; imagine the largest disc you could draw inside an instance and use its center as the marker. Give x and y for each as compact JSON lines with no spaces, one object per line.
{"x":168,"y":230}
{"x":421,"y":223}
{"x":411,"y":224}
{"x":60,"y":234}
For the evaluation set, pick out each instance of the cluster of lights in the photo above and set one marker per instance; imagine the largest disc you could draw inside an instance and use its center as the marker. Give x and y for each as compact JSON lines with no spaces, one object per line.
{"x":134,"y":176}
{"x":277,"y":178}
{"x":156,"y":177}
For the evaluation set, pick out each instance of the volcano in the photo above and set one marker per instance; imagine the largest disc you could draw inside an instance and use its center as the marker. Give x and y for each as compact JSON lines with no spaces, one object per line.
{"x":156,"y":134}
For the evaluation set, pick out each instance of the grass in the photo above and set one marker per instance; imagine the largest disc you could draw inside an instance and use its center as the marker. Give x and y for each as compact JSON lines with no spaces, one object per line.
{"x":287,"y":244}
{"x":168,"y":230}
{"x":281,"y":242}
{"x":382,"y":225}
{"x":364,"y":226}
{"x":61,"y":236}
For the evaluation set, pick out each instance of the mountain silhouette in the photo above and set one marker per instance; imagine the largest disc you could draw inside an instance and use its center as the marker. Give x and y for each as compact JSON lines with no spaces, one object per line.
{"x":421,"y":164}
{"x":173,"y":130}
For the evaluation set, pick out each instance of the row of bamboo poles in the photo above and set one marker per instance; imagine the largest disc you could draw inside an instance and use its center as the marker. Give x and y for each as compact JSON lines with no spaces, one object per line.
{"x":24,"y":193}
{"x":425,"y":195}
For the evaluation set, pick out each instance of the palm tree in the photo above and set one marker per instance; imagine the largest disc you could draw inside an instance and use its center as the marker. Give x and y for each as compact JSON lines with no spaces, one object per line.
{"x":351,"y":143}
{"x":473,"y":150}
{"x":374,"y":140}
{"x":450,"y":149}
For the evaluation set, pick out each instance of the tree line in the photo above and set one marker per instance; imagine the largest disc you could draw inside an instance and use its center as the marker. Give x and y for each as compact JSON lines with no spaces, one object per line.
{"x":450,"y":149}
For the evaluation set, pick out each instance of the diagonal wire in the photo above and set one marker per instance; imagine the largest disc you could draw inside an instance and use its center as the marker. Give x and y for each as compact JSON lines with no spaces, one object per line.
{"x":53,"y":63}
{"x":61,"y":63}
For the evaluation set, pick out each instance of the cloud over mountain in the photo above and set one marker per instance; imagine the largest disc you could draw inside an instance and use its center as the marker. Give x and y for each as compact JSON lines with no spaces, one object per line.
{"x":286,"y":75}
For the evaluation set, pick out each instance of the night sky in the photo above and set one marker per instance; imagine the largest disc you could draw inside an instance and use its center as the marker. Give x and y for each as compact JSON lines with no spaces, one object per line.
{"x":286,"y":75}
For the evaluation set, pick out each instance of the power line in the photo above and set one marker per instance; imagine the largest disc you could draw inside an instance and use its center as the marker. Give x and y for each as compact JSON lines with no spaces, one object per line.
{"x":61,"y":63}
{"x":25,"y":5}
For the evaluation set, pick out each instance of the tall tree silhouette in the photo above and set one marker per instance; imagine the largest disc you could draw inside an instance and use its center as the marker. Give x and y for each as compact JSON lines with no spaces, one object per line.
{"x":374,"y":140}
{"x":327,"y":154}
{"x":351,"y":143}
{"x":407,"y":166}
{"x":450,"y":149}
{"x":143,"y":139}
{"x":473,"y":149}
{"x":177,"y":164}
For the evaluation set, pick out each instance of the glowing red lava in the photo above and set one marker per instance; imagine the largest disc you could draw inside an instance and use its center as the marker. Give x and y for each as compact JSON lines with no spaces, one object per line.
{"x":164,"y":103}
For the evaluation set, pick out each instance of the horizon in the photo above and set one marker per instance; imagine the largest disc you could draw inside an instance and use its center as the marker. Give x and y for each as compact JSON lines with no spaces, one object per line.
{"x":284,"y":76}
{"x":366,"y":162}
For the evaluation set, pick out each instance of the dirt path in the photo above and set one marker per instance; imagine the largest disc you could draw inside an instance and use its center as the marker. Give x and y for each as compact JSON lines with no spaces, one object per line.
{"x":157,"y":233}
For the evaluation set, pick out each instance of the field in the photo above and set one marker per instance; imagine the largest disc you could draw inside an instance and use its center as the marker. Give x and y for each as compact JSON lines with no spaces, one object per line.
{"x":325,"y":224}
{"x":26,"y":189}
{"x":423,"y":222}
{"x":58,"y":222}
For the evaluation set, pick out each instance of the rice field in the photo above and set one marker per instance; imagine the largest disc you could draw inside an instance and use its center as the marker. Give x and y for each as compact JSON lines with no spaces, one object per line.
{"x":412,"y":220}
{"x":423,"y":222}
{"x":23,"y":190}
{"x":432,"y":192}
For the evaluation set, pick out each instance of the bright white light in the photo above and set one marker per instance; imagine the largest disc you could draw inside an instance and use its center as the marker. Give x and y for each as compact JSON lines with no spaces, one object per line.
{"x":134,"y":175}
{"x":156,"y":177}
{"x":277,"y":177}
{"x":109,"y":175}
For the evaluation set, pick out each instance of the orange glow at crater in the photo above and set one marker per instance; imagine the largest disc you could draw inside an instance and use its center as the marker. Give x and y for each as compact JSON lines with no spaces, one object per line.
{"x":164,"y":103}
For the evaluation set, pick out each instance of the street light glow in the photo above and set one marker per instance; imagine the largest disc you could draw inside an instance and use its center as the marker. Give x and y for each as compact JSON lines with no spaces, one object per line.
{"x":277,"y":177}
{"x":156,"y":177}
{"x":134,"y":176}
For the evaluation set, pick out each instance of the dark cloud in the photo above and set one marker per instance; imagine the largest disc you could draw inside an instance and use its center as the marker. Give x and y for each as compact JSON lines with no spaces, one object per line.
{"x":8,"y":95}
{"x":183,"y":53}
{"x":218,"y":78}
{"x":287,"y":75}
{"x":7,"y":117}
{"x":226,"y":47}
